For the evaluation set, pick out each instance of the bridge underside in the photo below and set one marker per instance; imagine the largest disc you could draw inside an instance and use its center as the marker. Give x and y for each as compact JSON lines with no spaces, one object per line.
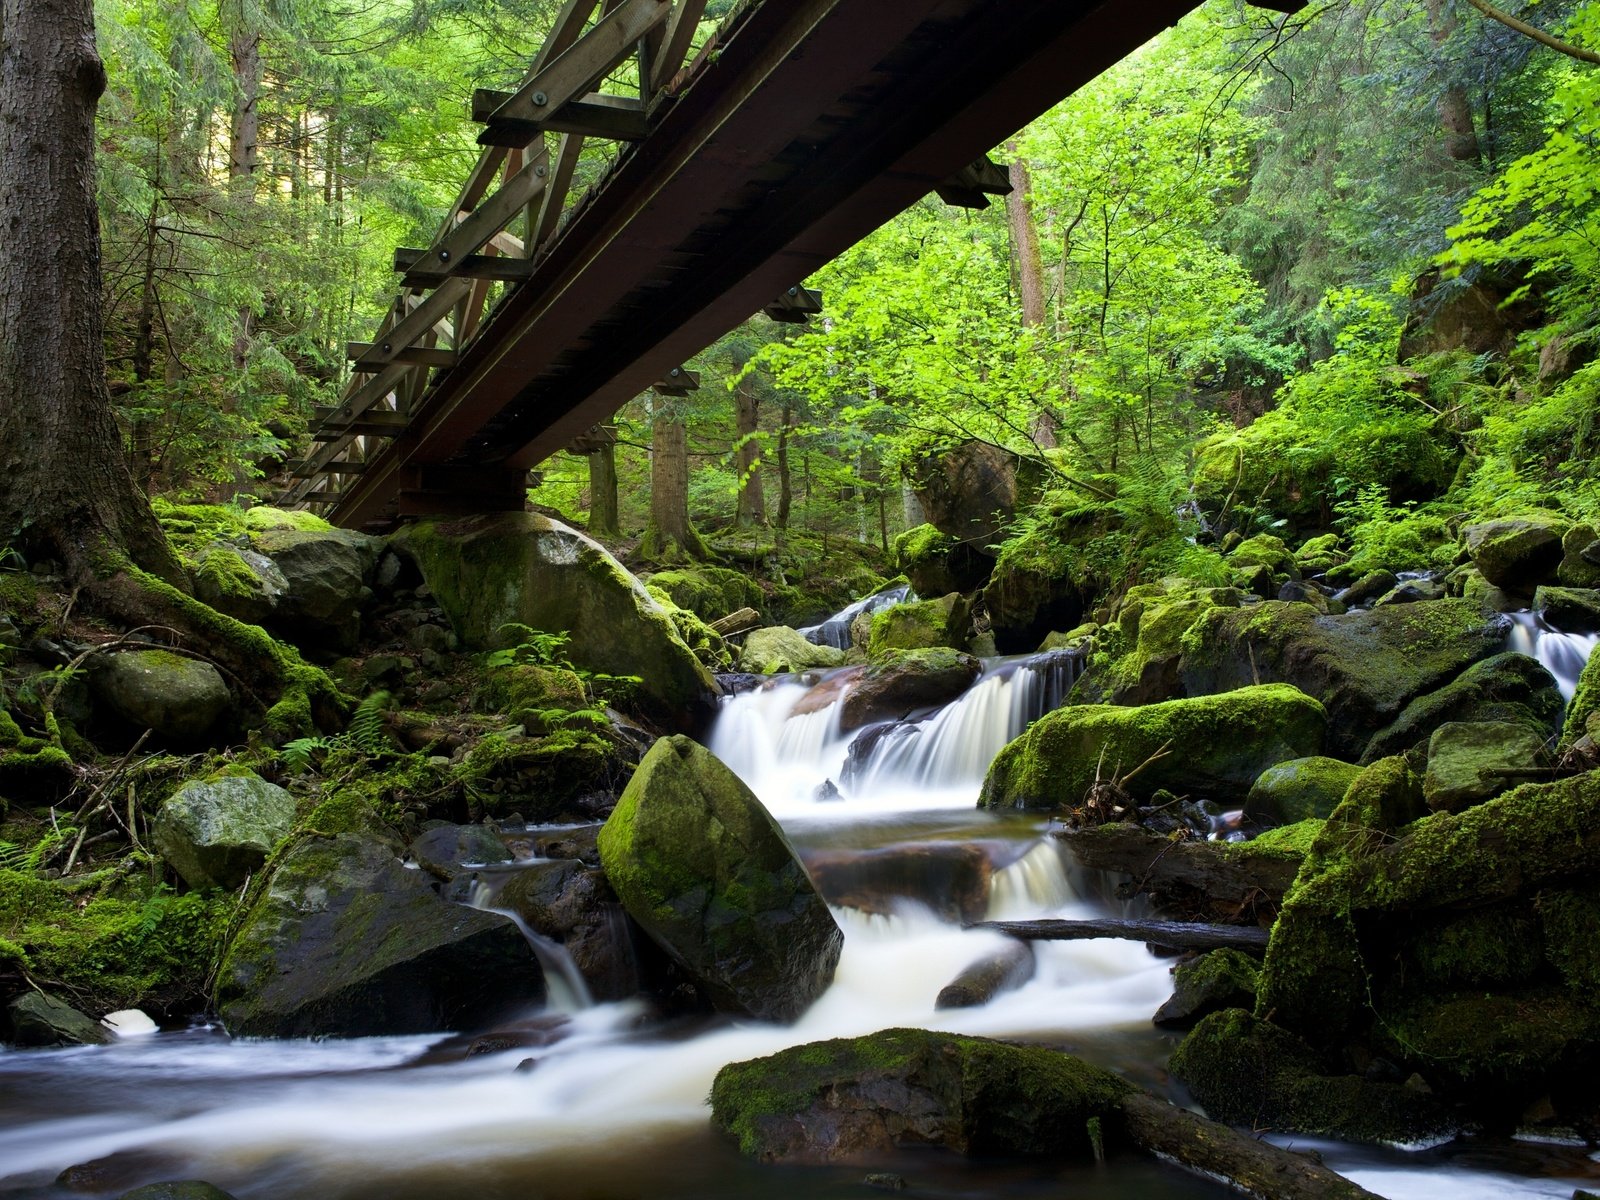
{"x":812,"y":123}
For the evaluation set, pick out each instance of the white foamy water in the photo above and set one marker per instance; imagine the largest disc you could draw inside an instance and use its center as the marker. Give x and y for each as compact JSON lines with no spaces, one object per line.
{"x":1561,"y":653}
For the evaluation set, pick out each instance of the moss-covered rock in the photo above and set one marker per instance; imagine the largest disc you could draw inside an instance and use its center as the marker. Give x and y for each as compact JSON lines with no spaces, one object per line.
{"x":918,"y":626}
{"x":1469,"y":761}
{"x":521,"y":568}
{"x":1502,"y":946}
{"x":181,"y":699}
{"x":1569,"y":925}
{"x":1264,"y":550}
{"x":1507,"y":687}
{"x":242,"y":583}
{"x":1516,"y":553}
{"x":1154,"y":620}
{"x":1301,"y":788}
{"x":1219,"y":745}
{"x":1580,"y":557}
{"x":1318,"y":554}
{"x":899,"y":681}
{"x":938,"y":564}
{"x":1246,"y":1071}
{"x":1210,"y":983}
{"x":217,"y":832}
{"x":1576,"y":610}
{"x":546,"y":778}
{"x":327,"y":572}
{"x":537,"y":698}
{"x":710,"y":876}
{"x":1369,"y":587}
{"x":1364,"y":666}
{"x":711,"y":593}
{"x":779,"y":650}
{"x":1585,"y":702}
{"x":855,"y":1098}
{"x":344,"y":941}
{"x":40,"y":1019}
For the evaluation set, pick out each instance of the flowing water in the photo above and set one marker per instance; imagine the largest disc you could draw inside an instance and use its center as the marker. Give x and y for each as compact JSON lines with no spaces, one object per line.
{"x":613,"y":1106}
{"x":835,"y":631}
{"x":1563,"y":653}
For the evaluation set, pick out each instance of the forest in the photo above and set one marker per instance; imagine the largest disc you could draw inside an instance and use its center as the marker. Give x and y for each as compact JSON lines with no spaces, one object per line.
{"x":1108,"y":702}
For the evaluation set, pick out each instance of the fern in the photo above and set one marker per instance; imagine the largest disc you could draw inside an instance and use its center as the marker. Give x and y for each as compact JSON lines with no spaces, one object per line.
{"x":366,"y":730}
{"x":296,"y":755}
{"x":12,"y":856}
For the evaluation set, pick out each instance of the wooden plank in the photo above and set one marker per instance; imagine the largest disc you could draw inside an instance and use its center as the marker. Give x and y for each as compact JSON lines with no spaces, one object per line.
{"x":419,"y":356}
{"x":474,"y":266}
{"x":677,"y":382}
{"x":971,"y":186}
{"x":568,"y":151}
{"x":474,"y":231}
{"x":569,"y":25}
{"x":333,"y":468}
{"x":574,"y":72}
{"x":685,"y":20}
{"x":429,"y":312}
{"x":1174,"y":935}
{"x":599,"y":114}
{"x":795,"y":306}
{"x":375,"y":418}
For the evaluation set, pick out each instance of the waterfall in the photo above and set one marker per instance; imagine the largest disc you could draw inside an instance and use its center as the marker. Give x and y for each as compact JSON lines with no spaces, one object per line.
{"x":1561,"y":653}
{"x":835,"y":631}
{"x":565,"y":989}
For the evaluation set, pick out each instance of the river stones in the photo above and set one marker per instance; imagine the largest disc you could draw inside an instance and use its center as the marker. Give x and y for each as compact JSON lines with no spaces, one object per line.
{"x":327,"y":572}
{"x":347,"y":942}
{"x":240,"y":582}
{"x":917,"y":626}
{"x":779,"y":650}
{"x":899,"y":681}
{"x":488,"y":572}
{"x":39,"y":1019}
{"x":180,"y":699}
{"x":216,"y":832}
{"x":1469,"y":761}
{"x":1216,"y":746}
{"x":1299,"y":789}
{"x":1212,"y":982}
{"x":709,"y":875}
{"x":1516,"y":552}
{"x":1508,"y":687}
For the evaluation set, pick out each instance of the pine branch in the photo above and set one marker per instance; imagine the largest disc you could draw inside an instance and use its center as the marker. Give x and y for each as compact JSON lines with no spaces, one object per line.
{"x":1538,"y":35}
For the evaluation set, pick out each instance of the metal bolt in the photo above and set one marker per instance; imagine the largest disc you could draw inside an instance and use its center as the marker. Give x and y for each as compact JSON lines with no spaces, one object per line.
{"x":673,"y":373}
{"x":444,"y":256}
{"x":794,"y":291}
{"x":541,"y":170}
{"x":540,"y":99}
{"x":387,"y":347}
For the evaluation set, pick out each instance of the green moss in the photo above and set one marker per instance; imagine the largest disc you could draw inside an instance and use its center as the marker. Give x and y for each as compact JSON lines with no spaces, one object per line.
{"x":938,"y":622}
{"x":1299,"y":789}
{"x":1570,"y":922}
{"x":1491,"y":948}
{"x":709,"y":592}
{"x":1288,"y":840}
{"x":263,"y":518}
{"x":1263,"y":550}
{"x":921,"y":544}
{"x":540,"y":776}
{"x":45,"y":771}
{"x":1472,"y":1041}
{"x":221,"y":571}
{"x":1585,"y":702}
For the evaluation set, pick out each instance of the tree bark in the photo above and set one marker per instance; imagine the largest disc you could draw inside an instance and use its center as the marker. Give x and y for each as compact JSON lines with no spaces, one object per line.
{"x":670,"y":532}
{"x":1029,"y":265}
{"x":752,"y":500}
{"x":604,"y":516}
{"x":785,"y":484}
{"x":1455,"y":109}
{"x":65,"y":487}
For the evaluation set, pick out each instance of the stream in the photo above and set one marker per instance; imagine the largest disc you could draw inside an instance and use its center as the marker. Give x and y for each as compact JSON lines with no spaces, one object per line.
{"x":615,"y":1105}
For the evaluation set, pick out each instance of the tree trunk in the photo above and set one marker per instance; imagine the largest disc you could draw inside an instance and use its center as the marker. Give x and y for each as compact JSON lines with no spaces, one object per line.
{"x":244,"y":155}
{"x":752,"y":500}
{"x":1029,"y":265}
{"x":670,"y":532}
{"x":785,"y":486}
{"x":65,"y":487}
{"x":1455,"y":109}
{"x":604,"y":517}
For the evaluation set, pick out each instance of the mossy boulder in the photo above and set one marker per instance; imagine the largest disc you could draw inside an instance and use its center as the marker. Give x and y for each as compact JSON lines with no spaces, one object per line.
{"x":1264,"y":550}
{"x":182,"y":1189}
{"x":1212,"y":982}
{"x":1246,"y":1071}
{"x":1364,"y":666}
{"x":446,"y":850}
{"x":899,"y":681}
{"x":344,"y":941}
{"x":1154,"y":621}
{"x":1469,"y":761}
{"x":1218,"y":746}
{"x":327,"y":572}
{"x":216,"y":832}
{"x":853,"y":1099}
{"x":779,"y":650}
{"x":1516,"y":553}
{"x":181,"y":699}
{"x":40,"y":1019}
{"x":1575,"y":610}
{"x":1320,"y":553}
{"x":240,"y":582}
{"x":521,"y":568}
{"x":1585,"y":702}
{"x":1507,"y":687}
{"x":532,"y":696}
{"x":1301,"y":788}
{"x":938,"y":564}
{"x":709,"y":875}
{"x":1369,"y":588}
{"x":711,"y":593}
{"x":570,"y":771}
{"x":921,"y":625}
{"x":1580,"y":557}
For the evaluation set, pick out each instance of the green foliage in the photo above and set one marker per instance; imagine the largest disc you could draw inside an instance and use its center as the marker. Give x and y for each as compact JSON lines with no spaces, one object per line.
{"x":366,"y":734}
{"x":532,"y":647}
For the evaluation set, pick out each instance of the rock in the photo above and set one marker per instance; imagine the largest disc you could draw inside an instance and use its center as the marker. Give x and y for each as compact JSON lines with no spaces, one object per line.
{"x":1516,"y":553}
{"x":1005,"y":970}
{"x":1264,"y":550}
{"x":922,"y":625}
{"x":1299,"y":592}
{"x":217,"y":832}
{"x":899,"y":681}
{"x":444,"y":850}
{"x":242,"y":583}
{"x":710,"y":876}
{"x":1483,"y":315}
{"x":346,"y":942}
{"x":180,"y":699}
{"x":1318,"y":554}
{"x":1508,"y":687}
{"x":327,"y":574}
{"x":710,"y":592}
{"x":1248,"y":1072}
{"x":1364,"y":666}
{"x":522,"y":568}
{"x":937,"y":564}
{"x":38,"y":1019}
{"x":972,"y":491}
{"x":528,"y":695}
{"x":1219,"y":745}
{"x":1572,"y":610}
{"x":1299,"y":789}
{"x":1411,"y":591}
{"x":1580,"y":557}
{"x":1027,"y":601}
{"x":1585,"y":703}
{"x":1155,"y":620}
{"x":1470,"y":761}
{"x":1213,"y":981}
{"x":185,"y":1189}
{"x":779,"y":650}
{"x":1369,"y":587}
{"x":853,"y":1099}
{"x":951,"y":879}
{"x":572,"y":904}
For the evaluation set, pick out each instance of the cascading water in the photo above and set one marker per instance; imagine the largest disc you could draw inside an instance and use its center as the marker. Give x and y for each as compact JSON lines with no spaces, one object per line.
{"x":835,"y":631}
{"x":565,"y":989}
{"x":1562,"y":653}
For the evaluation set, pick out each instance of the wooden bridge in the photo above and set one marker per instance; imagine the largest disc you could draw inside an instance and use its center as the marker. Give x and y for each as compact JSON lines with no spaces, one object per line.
{"x":795,"y":130}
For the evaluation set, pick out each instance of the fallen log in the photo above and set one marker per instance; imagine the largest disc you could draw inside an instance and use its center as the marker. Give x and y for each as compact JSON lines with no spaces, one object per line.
{"x":1173,"y":935}
{"x":982,"y":981}
{"x":736,"y":623}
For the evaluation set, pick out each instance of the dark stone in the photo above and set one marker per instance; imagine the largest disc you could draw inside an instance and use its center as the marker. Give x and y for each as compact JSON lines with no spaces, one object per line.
{"x":327,"y":573}
{"x":444,"y":849}
{"x":1516,"y":553}
{"x":38,"y":1019}
{"x":903,"y":680}
{"x":573,"y":905}
{"x":972,"y":492}
{"x":1368,"y":588}
{"x":950,"y":878}
{"x":1507,"y":687}
{"x":185,"y":1189}
{"x":1206,"y":984}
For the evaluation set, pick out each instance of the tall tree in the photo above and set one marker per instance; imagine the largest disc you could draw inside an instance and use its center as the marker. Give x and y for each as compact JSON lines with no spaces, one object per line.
{"x":65,"y":487}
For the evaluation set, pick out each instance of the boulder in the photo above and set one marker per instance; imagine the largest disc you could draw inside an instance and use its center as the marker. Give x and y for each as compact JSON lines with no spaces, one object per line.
{"x":972,"y":491}
{"x":1411,"y":591}
{"x":1516,"y":553}
{"x":1585,"y":703}
{"x":710,"y":876}
{"x":1297,"y":591}
{"x":1299,"y":789}
{"x":327,"y":572}
{"x":1470,"y":761}
{"x":180,"y":699}
{"x":1364,"y":666}
{"x":1264,"y":550}
{"x":217,"y":832}
{"x":446,"y":850}
{"x":1368,"y":588}
{"x":711,"y":593}
{"x":1214,"y":981}
{"x":918,"y":626}
{"x":1572,"y":610}
{"x":1319,"y":554}
{"x":853,"y":1099}
{"x":950,"y":879}
{"x":1218,"y":746}
{"x":1508,"y":687}
{"x":938,"y":564}
{"x":572,"y":904}
{"x":39,"y":1019}
{"x":521,"y":568}
{"x":779,"y":650}
{"x":1580,"y":557}
{"x":240,"y":582}
{"x":346,"y":942}
{"x":1026,"y":600}
{"x":181,"y":1189}
{"x":899,"y":681}
{"x":1154,"y":619}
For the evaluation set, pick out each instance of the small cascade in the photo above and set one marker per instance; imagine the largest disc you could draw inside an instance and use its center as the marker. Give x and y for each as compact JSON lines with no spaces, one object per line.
{"x":565,"y":989}
{"x":835,"y":631}
{"x":1561,"y":653}
{"x":1034,"y":885}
